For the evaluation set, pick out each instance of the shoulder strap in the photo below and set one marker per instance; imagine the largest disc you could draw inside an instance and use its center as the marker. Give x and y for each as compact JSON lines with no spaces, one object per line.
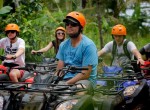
{"x":113,"y":51}
{"x":126,"y":50}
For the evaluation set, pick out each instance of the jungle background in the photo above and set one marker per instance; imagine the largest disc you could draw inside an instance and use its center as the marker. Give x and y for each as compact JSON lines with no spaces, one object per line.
{"x":38,"y":20}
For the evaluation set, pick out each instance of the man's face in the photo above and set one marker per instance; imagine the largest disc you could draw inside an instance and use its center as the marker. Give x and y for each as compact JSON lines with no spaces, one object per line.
{"x":71,"y":28}
{"x":11,"y":34}
{"x":119,"y":39}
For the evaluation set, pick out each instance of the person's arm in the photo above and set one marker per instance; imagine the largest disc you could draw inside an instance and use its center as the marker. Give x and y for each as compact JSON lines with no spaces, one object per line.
{"x":100,"y":53}
{"x":138,"y":56}
{"x":60,"y":65}
{"x":105,"y":49}
{"x":85,"y":74}
{"x":45,"y":49}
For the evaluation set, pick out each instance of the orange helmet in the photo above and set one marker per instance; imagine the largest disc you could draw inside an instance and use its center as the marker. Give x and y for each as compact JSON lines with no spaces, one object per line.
{"x":77,"y":16}
{"x":60,"y":28}
{"x":118,"y":30}
{"x":12,"y":27}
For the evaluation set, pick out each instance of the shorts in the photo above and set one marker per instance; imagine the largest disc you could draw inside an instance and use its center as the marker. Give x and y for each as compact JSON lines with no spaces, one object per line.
{"x":21,"y":73}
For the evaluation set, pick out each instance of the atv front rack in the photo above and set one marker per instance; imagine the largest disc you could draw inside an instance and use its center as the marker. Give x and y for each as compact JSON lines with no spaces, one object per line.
{"x":51,"y":88}
{"x":114,"y":85}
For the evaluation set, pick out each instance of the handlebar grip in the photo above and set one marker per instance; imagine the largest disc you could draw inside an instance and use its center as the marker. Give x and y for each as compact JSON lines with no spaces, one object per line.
{"x":78,"y":68}
{"x":39,"y":53}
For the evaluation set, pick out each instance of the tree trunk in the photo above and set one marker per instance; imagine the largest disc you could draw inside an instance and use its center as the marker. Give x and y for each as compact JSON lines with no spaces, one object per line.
{"x":84,"y":3}
{"x":68,"y":5}
{"x":16,"y":3}
{"x":99,"y":19}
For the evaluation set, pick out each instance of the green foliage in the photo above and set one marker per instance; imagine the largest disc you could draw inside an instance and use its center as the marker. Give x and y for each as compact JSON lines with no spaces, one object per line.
{"x":134,"y":23}
{"x":37,"y":25}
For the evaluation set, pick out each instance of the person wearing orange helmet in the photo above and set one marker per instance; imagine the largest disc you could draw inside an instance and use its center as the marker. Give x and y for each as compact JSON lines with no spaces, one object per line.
{"x":120,"y":58}
{"x":78,"y":50}
{"x":60,"y":34}
{"x":14,"y":48}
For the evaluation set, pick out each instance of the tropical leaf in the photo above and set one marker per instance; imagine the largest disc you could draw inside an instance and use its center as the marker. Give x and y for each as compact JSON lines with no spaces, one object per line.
{"x":5,"y":10}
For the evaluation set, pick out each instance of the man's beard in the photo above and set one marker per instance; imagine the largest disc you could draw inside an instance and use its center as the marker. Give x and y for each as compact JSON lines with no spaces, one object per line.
{"x":74,"y":35}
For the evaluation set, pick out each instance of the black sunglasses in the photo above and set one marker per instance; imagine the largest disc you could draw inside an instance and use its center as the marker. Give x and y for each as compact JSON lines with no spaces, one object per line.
{"x":72,"y":24}
{"x":10,"y":31}
{"x":61,"y":33}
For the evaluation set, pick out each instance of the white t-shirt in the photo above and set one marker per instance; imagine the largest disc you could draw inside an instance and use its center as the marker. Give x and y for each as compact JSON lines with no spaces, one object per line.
{"x":12,"y":49}
{"x":120,"y":58}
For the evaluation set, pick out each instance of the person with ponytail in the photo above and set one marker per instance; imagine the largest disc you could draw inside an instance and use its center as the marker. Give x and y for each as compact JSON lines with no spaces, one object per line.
{"x":60,"y":34}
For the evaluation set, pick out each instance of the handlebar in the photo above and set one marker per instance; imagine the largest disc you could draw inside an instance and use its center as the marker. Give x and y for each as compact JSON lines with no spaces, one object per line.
{"x":39,"y":53}
{"x":73,"y":68}
{"x":123,"y":76}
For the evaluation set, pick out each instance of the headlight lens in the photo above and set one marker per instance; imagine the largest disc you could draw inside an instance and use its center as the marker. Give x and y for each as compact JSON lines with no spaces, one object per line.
{"x":67,"y":105}
{"x":130,"y":90}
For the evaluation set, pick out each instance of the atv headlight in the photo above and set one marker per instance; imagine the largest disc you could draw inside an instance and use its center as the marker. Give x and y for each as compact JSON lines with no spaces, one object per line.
{"x":130,"y":90}
{"x":67,"y":105}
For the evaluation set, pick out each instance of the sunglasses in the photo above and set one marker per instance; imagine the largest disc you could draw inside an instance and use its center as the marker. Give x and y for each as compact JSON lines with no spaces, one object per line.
{"x":60,"y":33}
{"x":10,"y":31}
{"x":72,"y":24}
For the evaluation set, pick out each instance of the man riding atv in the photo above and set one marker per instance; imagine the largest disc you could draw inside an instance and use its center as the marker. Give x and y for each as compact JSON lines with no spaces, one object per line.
{"x":78,"y":50}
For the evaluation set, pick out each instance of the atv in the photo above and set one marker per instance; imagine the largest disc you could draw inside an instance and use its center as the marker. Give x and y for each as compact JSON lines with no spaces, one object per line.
{"x":121,"y":90}
{"x":47,"y":95}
